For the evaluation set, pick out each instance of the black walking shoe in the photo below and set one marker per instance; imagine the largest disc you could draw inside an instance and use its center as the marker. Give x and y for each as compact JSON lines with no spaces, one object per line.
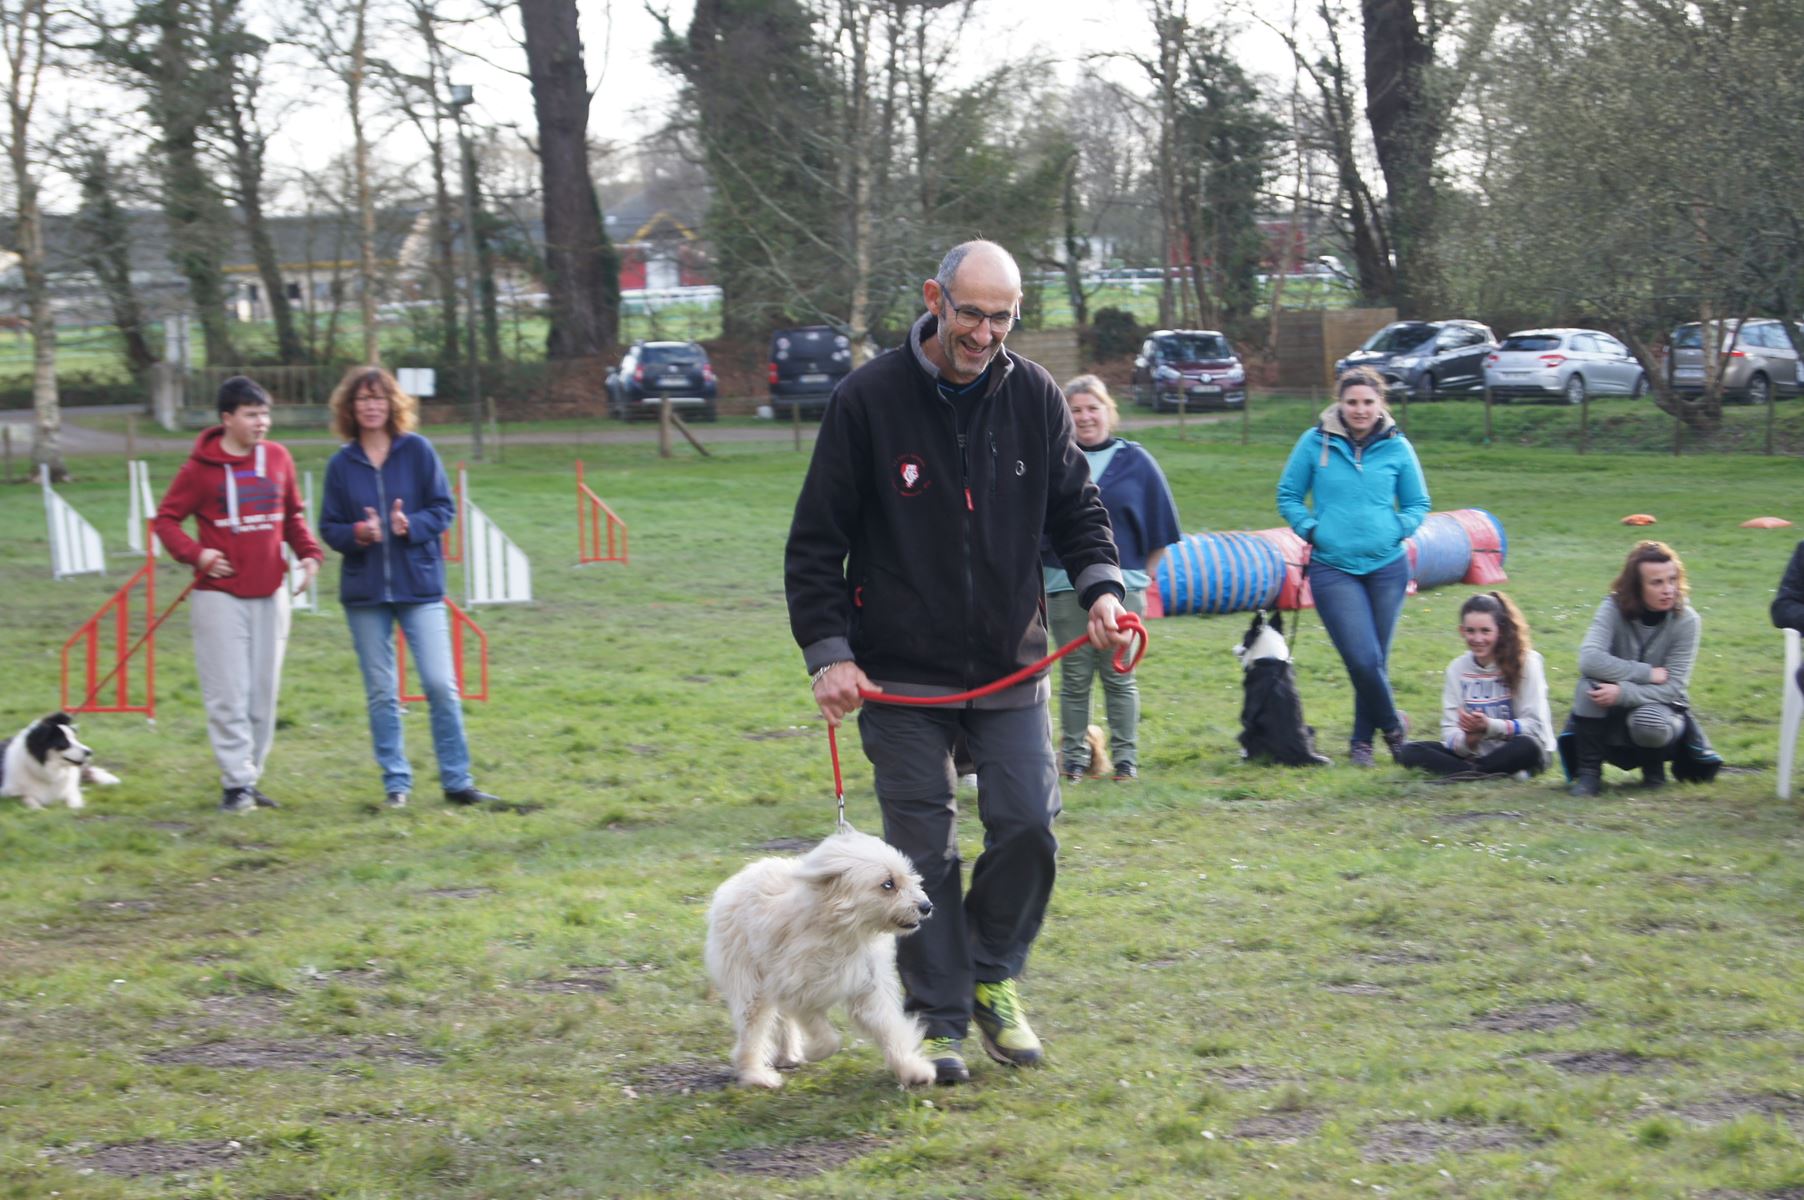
{"x":1653,"y":775}
{"x":238,"y":800}
{"x":1587,"y":785}
{"x":1007,"y":1037}
{"x":260,"y":799}
{"x":396,"y":800}
{"x":947,"y":1054}
{"x":1126,"y":773}
{"x":471,"y":795}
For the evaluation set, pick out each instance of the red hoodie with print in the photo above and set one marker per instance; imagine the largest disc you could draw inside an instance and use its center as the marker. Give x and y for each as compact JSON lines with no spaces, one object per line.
{"x":244,"y":505}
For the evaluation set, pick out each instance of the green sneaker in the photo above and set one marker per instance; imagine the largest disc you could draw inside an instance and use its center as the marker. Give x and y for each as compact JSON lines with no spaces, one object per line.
{"x":1007,"y":1037}
{"x":947,"y":1054}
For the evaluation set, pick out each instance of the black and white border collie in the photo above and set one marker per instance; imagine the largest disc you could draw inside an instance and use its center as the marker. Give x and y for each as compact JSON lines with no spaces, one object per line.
{"x":1271,"y":710}
{"x":45,"y":763}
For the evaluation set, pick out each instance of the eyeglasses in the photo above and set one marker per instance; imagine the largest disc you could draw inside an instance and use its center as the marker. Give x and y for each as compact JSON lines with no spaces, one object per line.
{"x":966,"y":318}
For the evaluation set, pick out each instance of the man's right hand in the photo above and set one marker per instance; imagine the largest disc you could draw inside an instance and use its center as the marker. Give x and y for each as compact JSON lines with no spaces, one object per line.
{"x":837,"y":691}
{"x":213,"y":563}
{"x":369,"y":530}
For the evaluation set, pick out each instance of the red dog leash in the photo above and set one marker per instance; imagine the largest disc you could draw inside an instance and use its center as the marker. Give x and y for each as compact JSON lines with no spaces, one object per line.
{"x":1127,"y":621}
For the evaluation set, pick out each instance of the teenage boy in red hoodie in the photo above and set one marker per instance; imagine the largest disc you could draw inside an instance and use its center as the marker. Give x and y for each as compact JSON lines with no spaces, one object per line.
{"x":240,"y":490}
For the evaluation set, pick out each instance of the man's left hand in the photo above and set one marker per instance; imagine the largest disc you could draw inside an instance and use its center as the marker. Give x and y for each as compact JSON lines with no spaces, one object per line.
{"x":310,"y":568}
{"x":1105,"y":623}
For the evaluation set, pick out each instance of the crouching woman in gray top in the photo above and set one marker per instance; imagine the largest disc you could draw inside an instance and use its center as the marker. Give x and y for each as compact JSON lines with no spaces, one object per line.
{"x":1633,"y":707}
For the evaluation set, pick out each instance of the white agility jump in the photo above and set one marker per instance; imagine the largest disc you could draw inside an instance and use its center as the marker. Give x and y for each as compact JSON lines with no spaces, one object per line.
{"x":496,"y":571}
{"x":303,"y":594}
{"x":140,"y":509}
{"x":75,"y":547}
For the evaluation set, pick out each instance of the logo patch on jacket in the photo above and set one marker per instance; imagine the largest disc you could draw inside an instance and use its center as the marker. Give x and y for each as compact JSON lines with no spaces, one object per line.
{"x":910,"y":476}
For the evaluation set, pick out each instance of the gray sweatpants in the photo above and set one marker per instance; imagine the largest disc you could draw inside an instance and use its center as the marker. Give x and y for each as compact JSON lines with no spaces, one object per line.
{"x":238,"y":649}
{"x":985,"y":934}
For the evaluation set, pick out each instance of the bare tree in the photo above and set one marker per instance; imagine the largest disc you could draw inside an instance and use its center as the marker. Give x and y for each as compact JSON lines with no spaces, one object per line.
{"x":25,"y":40}
{"x":103,"y":237}
{"x":339,"y":37}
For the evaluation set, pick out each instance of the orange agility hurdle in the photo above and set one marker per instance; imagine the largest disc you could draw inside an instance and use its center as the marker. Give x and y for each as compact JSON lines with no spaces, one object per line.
{"x":591,"y":512}
{"x":109,"y":630}
{"x":459,"y":621}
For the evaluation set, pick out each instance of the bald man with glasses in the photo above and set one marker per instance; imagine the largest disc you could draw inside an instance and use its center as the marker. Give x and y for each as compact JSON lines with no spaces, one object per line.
{"x":913,"y":568}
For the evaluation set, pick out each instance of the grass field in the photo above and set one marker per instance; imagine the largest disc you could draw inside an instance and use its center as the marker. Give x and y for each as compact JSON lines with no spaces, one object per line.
{"x":1252,"y":983}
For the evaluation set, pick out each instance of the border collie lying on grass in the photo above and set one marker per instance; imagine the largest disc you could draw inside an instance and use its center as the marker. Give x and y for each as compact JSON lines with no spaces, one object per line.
{"x":45,"y":763}
{"x":1271,"y":711}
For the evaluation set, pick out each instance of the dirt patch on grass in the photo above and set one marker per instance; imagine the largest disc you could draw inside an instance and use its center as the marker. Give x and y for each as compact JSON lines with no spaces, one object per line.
{"x":1424,"y":1141}
{"x":1598,"y":1062}
{"x":1359,"y":989}
{"x":171,"y":826}
{"x":1285,"y":1128}
{"x":1721,"y":1109}
{"x":153,"y":1157}
{"x":684,"y":1078}
{"x":795,"y":845}
{"x":460,"y":893}
{"x":1533,"y":1018}
{"x":1472,"y":818}
{"x":797,"y":1160}
{"x":772,"y":735}
{"x":121,"y":905}
{"x":1706,"y":882}
{"x":236,"y":1012}
{"x":580,"y":980}
{"x":273,"y":1055}
{"x":1400,"y":958}
{"x":1242,"y":1078}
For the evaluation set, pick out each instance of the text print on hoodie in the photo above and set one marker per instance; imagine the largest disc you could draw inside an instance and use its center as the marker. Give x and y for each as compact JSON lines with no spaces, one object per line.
{"x":246,"y":506}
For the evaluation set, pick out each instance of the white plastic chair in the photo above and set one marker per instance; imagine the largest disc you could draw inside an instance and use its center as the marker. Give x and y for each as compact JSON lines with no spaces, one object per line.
{"x":1791,"y":712}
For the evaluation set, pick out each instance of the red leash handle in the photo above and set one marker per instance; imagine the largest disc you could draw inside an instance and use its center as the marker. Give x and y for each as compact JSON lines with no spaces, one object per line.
{"x":1134,"y":651}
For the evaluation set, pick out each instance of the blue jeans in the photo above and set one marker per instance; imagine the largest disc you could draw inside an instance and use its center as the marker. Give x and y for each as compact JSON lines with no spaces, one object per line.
{"x":1360,"y":614}
{"x":428,"y":636}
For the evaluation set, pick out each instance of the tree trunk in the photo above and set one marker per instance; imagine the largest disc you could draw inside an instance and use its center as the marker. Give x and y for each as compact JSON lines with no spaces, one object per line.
{"x":47,"y":424}
{"x":582,"y":271}
{"x":247,"y":168}
{"x":485,"y":259}
{"x":1405,"y":134}
{"x":106,"y":249}
{"x":858,"y":19}
{"x":190,"y":201}
{"x":366,"y":205}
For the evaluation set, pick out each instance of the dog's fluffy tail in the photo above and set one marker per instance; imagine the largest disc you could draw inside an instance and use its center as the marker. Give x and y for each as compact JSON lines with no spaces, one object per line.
{"x":1100,"y":762}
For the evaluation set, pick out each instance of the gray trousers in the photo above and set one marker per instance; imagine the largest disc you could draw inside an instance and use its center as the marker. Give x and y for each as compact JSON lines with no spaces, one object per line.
{"x":238,"y":649}
{"x":1120,"y":693}
{"x":985,"y":934}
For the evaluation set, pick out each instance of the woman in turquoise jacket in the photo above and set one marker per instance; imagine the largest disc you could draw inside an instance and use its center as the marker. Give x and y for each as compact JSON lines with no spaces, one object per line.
{"x":1354,"y":491}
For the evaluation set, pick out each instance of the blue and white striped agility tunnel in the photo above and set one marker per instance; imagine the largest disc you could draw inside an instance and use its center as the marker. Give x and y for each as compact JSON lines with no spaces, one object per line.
{"x":1239,"y":572}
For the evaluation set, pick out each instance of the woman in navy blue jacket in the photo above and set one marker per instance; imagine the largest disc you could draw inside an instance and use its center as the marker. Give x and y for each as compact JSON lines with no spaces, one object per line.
{"x":1365,"y":495}
{"x":386,"y":503}
{"x":1144,"y":518}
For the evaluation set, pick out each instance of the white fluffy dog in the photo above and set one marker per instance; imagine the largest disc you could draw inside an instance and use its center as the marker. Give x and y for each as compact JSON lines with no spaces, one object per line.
{"x":789,"y":938}
{"x":45,"y":764}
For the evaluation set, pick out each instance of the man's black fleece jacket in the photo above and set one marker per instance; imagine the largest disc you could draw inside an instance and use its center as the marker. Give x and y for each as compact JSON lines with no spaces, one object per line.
{"x":915,"y":552}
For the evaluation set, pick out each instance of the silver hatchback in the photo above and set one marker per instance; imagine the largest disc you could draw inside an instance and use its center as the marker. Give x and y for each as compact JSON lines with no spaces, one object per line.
{"x":1757,"y":362}
{"x":1562,"y":364}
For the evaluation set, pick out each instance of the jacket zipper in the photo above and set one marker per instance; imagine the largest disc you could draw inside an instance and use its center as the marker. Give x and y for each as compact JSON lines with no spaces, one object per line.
{"x":388,"y":579}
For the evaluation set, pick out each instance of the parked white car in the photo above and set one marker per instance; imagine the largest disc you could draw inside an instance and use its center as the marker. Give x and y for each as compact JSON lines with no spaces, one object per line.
{"x":1562,"y":364}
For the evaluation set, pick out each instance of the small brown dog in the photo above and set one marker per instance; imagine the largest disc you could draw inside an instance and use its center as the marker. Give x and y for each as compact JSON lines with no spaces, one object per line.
{"x":1101,"y":765}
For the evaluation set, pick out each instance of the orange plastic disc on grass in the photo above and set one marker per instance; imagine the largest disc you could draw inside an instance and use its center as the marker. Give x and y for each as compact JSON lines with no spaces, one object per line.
{"x":1637,"y":519}
{"x":1766,"y":523}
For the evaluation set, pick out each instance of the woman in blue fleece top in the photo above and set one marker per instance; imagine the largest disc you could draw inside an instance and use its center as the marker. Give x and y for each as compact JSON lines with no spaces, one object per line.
{"x":386,"y":502}
{"x":1145,"y":521}
{"x":1354,"y":491}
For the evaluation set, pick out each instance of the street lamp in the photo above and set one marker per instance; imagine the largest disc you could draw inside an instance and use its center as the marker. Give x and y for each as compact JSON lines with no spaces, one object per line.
{"x":462,"y":96}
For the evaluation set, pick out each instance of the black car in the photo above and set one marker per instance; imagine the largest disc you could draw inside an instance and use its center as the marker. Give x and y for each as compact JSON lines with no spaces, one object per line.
{"x":806,"y":364}
{"x":1196,"y":364}
{"x":1426,"y":359}
{"x":652,"y":371}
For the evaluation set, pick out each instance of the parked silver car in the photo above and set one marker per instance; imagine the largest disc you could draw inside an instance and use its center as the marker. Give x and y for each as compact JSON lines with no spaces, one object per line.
{"x":1758,"y":360}
{"x":1562,"y":364}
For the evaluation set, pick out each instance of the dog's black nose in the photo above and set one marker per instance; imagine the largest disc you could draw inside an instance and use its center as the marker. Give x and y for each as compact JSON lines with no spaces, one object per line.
{"x":926,"y":907}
